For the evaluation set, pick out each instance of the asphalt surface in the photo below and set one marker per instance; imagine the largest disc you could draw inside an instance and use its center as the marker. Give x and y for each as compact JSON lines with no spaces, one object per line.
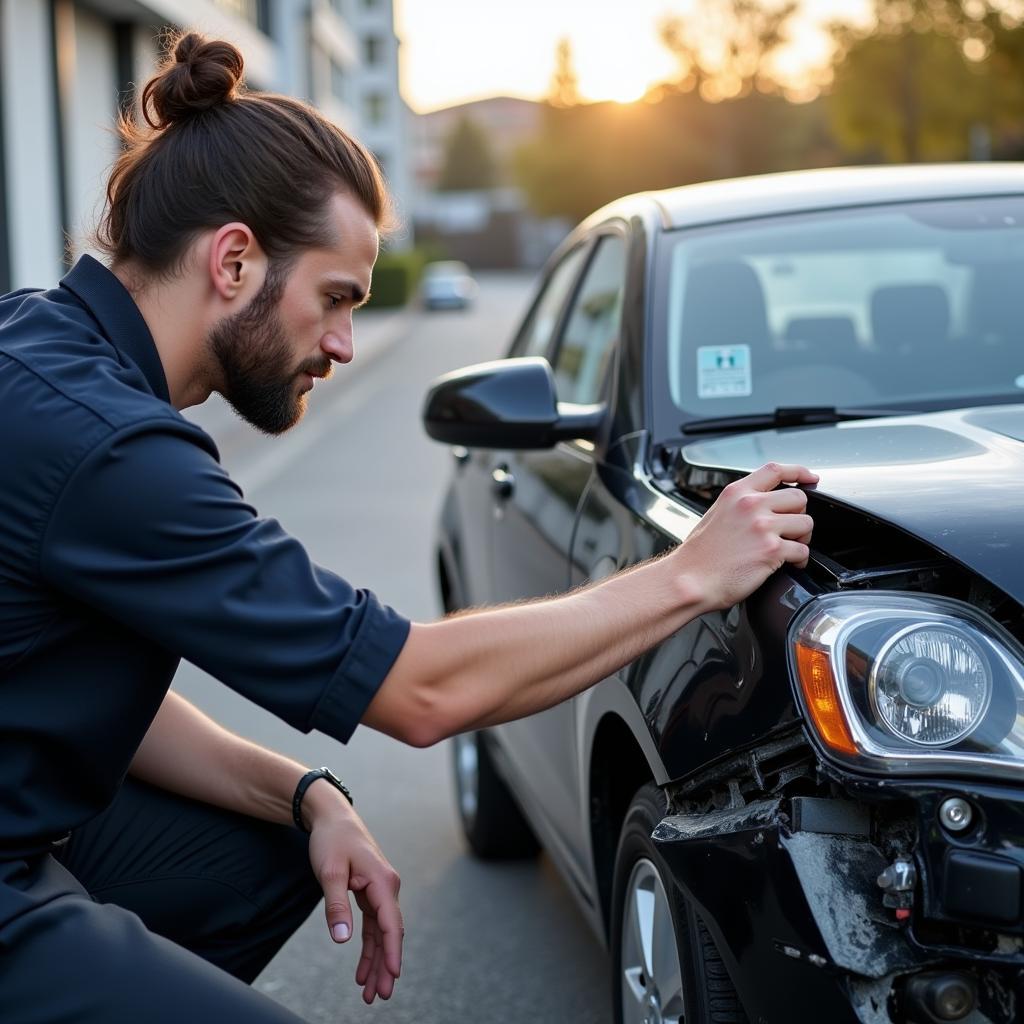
{"x":361,"y":485}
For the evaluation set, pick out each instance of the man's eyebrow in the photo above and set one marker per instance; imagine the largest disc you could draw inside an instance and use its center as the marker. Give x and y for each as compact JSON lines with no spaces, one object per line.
{"x":345,"y":284}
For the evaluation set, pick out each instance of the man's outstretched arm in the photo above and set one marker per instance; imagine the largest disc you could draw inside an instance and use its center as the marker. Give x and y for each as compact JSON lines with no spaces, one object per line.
{"x":188,"y":753}
{"x":493,"y":665}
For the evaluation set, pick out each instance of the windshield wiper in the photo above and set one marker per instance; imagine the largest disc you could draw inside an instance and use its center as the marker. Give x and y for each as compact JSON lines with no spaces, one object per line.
{"x":784,"y":416}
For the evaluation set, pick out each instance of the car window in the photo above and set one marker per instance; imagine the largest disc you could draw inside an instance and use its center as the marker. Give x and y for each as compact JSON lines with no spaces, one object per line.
{"x":589,"y":337}
{"x":537,"y":333}
{"x":887,"y":305}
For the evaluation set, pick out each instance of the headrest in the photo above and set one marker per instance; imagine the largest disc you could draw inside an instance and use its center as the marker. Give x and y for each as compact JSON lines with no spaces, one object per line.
{"x":724,"y":305}
{"x":833,"y":333}
{"x":909,"y":315}
{"x":995,"y":304}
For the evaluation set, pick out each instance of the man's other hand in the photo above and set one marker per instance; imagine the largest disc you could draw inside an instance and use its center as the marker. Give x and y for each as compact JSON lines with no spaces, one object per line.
{"x":345,"y":858}
{"x":749,"y":532}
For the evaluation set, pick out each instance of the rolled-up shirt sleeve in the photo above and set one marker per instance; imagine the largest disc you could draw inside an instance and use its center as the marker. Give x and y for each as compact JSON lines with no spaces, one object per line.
{"x":151,"y":531}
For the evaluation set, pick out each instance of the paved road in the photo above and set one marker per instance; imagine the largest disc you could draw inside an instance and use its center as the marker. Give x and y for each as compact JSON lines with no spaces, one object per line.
{"x":361,"y":485}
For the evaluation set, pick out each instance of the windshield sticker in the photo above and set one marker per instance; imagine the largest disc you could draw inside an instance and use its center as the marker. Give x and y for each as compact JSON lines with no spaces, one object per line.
{"x":1019,"y":381}
{"x":723,"y":371}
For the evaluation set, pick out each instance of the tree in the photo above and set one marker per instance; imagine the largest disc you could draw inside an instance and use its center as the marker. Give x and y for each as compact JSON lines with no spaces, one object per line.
{"x":588,"y":155}
{"x":917,"y":83}
{"x":723,"y":117}
{"x":469,"y":160}
{"x":906,"y":96}
{"x":564,"y":91}
{"x":725,"y":48}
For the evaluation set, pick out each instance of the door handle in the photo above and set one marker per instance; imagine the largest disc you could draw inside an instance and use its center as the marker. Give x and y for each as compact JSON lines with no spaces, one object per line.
{"x":504,"y":483}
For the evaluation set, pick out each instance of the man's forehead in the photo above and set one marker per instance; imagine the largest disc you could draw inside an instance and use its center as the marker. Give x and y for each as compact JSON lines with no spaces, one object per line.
{"x":331,"y":270}
{"x":349,"y":221}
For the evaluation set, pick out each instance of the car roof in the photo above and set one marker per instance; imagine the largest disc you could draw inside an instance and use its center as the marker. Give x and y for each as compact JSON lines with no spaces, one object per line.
{"x":825,"y":188}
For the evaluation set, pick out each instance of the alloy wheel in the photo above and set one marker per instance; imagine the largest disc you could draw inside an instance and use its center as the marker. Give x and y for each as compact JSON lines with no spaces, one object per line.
{"x":652,"y":983}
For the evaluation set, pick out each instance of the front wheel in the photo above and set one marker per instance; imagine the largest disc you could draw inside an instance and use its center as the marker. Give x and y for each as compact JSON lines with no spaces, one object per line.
{"x":667,"y":968}
{"x":491,"y":820}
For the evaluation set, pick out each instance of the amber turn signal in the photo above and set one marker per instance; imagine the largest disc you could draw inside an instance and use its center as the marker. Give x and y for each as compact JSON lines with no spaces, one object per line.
{"x":821,"y":694}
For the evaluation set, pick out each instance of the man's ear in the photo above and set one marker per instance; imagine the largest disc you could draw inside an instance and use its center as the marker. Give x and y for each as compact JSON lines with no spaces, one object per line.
{"x":238,"y":265}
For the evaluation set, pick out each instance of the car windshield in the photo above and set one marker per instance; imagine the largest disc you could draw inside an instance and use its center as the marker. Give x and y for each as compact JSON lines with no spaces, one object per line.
{"x":902,"y":306}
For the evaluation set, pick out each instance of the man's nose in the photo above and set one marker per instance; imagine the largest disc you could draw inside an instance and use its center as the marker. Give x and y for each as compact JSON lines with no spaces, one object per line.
{"x":338,"y":345}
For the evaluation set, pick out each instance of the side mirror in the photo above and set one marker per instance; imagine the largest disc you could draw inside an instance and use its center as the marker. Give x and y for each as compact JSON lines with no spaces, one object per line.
{"x":510,"y":403}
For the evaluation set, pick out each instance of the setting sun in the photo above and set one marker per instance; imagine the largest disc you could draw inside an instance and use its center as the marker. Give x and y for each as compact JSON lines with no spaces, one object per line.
{"x":624,"y":79}
{"x":477,"y":50}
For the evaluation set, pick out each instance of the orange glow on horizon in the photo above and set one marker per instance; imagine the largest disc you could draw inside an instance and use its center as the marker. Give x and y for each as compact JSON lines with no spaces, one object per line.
{"x":456,"y":50}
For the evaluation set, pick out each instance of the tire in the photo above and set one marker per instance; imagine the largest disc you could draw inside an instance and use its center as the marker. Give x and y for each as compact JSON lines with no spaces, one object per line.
{"x":682,"y":978}
{"x":492,"y":822}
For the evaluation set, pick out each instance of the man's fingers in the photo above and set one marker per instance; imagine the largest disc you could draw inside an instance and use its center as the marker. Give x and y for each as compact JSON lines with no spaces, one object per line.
{"x":337,"y":908}
{"x":769,"y":476}
{"x":385,"y":983}
{"x":786,"y":499}
{"x":370,"y":988}
{"x":380,"y":894}
{"x":367,"y":955}
{"x":792,"y":527}
{"x":393,"y":933}
{"x":796,"y":552}
{"x":381,"y":978}
{"x":377,"y":974}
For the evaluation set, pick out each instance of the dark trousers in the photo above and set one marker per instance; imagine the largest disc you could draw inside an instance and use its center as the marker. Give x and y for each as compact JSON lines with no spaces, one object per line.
{"x":160,"y":910}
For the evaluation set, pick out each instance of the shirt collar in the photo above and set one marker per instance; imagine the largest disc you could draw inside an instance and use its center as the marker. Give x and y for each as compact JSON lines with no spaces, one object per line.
{"x":119,"y":318}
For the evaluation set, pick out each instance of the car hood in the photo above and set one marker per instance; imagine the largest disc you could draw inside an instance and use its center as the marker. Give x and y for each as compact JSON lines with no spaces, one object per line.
{"x":953,"y":479}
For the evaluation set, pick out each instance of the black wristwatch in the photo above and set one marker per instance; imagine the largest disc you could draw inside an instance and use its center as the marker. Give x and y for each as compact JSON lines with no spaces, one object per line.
{"x":305,"y":782}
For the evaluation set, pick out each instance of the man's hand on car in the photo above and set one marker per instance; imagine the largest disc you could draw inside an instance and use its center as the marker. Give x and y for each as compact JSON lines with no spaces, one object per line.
{"x":749,"y":532}
{"x":345,"y":858}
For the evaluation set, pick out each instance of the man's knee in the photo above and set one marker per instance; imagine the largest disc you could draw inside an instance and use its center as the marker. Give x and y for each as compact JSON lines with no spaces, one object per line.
{"x":228,"y":887}
{"x":72,"y":959}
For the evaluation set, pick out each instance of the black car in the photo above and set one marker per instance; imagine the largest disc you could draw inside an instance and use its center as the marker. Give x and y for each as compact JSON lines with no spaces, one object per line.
{"x":807,"y":807}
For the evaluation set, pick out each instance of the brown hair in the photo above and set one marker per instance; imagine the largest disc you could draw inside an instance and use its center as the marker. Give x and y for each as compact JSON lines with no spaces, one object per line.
{"x":211,"y":153}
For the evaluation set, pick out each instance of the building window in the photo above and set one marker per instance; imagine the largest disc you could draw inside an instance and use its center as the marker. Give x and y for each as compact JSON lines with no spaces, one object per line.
{"x":373,"y":50}
{"x":337,"y":80}
{"x":376,"y":107}
{"x":257,"y":12}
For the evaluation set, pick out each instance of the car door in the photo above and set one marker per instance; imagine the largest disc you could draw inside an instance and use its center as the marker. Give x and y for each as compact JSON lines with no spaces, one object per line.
{"x":536,"y":497}
{"x":474,"y":482}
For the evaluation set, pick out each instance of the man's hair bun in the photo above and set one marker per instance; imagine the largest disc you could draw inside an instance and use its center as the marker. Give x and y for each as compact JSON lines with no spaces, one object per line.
{"x":198,"y":74}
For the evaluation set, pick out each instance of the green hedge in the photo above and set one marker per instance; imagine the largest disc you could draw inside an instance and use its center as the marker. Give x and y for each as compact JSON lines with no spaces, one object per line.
{"x":396,"y":275}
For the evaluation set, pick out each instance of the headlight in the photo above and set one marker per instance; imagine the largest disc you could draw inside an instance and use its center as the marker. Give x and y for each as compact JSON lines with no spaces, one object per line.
{"x":930,"y":685}
{"x":906,"y":683}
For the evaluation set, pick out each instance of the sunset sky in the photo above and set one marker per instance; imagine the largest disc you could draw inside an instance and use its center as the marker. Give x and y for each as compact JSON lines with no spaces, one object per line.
{"x":456,"y":50}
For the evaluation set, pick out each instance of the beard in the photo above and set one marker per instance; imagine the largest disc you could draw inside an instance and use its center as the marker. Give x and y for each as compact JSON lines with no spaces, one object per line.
{"x":255,"y":359}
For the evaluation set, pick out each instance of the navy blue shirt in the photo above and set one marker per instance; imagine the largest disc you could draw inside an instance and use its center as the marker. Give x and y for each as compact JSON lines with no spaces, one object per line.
{"x":125,"y":546}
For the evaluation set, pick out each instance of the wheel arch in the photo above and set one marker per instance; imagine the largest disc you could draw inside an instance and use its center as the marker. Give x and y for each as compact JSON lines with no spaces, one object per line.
{"x":618,"y":768}
{"x":618,"y":755}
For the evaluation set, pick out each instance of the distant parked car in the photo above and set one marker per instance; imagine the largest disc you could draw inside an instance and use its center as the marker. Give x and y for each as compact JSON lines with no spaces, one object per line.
{"x":806,"y":808}
{"x":447,"y":284}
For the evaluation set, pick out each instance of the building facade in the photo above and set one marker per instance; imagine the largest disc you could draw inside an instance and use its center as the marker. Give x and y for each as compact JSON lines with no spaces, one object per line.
{"x":67,"y":66}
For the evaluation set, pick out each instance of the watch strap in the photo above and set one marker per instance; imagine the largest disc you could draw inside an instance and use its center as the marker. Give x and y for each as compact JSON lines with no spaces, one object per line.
{"x":305,"y":782}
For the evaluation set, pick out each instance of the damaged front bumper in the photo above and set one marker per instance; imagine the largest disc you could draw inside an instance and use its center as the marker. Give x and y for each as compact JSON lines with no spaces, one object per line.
{"x":870,"y":905}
